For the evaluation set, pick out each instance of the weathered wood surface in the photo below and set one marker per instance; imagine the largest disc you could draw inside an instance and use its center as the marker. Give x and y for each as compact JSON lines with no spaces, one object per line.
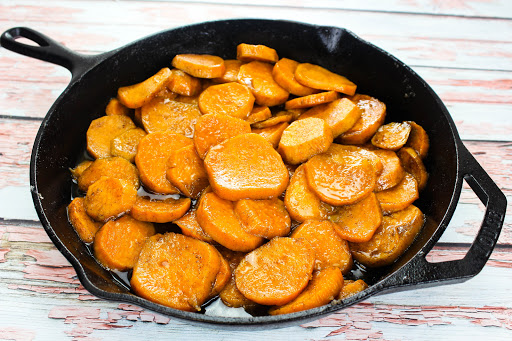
{"x":462,"y":48}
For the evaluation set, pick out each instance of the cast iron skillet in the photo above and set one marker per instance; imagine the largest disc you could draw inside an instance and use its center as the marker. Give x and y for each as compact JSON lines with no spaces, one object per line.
{"x":61,"y":141}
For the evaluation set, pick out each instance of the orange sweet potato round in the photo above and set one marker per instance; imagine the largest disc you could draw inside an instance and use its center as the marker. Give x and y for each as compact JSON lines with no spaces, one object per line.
{"x":109,"y":198}
{"x":102,"y":130}
{"x":159,"y":211}
{"x":84,"y":225}
{"x":317,"y":77}
{"x":400,"y":196}
{"x":233,"y":99}
{"x":258,"y":77}
{"x":200,"y":65}
{"x":114,"y":167}
{"x":263,"y":218}
{"x":284,"y":75}
{"x":185,"y":170}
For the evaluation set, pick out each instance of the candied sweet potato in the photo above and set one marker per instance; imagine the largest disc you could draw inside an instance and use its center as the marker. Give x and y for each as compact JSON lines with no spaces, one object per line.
{"x":284,"y":75}
{"x":258,"y":77}
{"x":258,"y":113}
{"x":190,"y":227}
{"x":102,"y":130}
{"x":311,"y":100}
{"x":230,"y":295}
{"x":84,"y":225}
{"x":351,"y":288}
{"x":183,"y":83}
{"x":262,"y":53}
{"x":159,"y":211}
{"x":400,"y":196}
{"x":392,"y":136}
{"x":114,"y":167}
{"x":412,"y":163}
{"x":185,"y":170}
{"x":233,"y":99}
{"x":418,"y":139}
{"x":200,"y":65}
{"x":115,"y":107}
{"x":79,"y":169}
{"x":392,"y":170}
{"x":136,"y":95}
{"x":231,"y":74}
{"x":272,"y":134}
{"x":109,"y":198}
{"x":125,"y":145}
{"x":263,"y":218}
{"x":280,"y":117}
{"x":317,"y":77}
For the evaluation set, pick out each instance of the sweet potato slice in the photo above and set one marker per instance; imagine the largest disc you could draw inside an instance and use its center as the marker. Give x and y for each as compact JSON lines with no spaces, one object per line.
{"x":351,"y":288}
{"x":115,"y":107}
{"x":231,"y":73}
{"x":311,"y":100}
{"x":246,"y":167}
{"x":317,"y":77}
{"x":340,"y":115}
{"x":185,"y":170}
{"x":399,"y":197}
{"x":213,"y":129}
{"x":412,"y":163}
{"x":280,"y":117}
{"x":184,"y":84}
{"x":232,"y":99}
{"x":263,"y":218}
{"x":125,"y":145}
{"x":418,"y":139}
{"x":118,"y":243}
{"x":258,"y":113}
{"x":373,"y":113}
{"x":368,"y":154}
{"x":200,"y":65}
{"x":102,"y":130}
{"x":80,"y":168}
{"x":262,"y":53}
{"x":159,"y":211}
{"x":277,"y":272}
{"x":109,"y":198}
{"x":258,"y":77}
{"x":304,"y":139}
{"x":222,"y":278}
{"x":84,"y":225}
{"x":392,"y":136}
{"x":114,"y":167}
{"x":284,"y":75}
{"x":168,"y":115}
{"x":217,"y":218}
{"x":392,"y":238}
{"x":322,"y":289}
{"x":159,"y":277}
{"x":358,"y":222}
{"x":272,"y":134}
{"x":330,"y":249}
{"x":151,"y":159}
{"x":135,"y":96}
{"x":392,"y":170}
{"x":190,"y":227}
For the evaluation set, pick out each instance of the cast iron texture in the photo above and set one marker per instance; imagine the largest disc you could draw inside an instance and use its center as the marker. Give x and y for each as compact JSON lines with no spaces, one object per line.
{"x":61,"y":141}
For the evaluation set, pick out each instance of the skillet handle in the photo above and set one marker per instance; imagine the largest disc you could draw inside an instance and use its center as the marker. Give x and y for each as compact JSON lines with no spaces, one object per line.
{"x":421,"y":272}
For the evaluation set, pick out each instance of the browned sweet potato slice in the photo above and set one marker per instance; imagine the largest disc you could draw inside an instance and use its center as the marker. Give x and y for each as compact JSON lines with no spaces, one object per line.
{"x":159,"y":211}
{"x":159,"y":277}
{"x":168,"y":115}
{"x":200,"y":65}
{"x":102,"y":130}
{"x":213,"y":129}
{"x":223,"y":277}
{"x":392,"y":238}
{"x":258,"y":77}
{"x":118,"y":243}
{"x":233,"y":99}
{"x":125,"y":144}
{"x":217,"y":218}
{"x":284,"y":75}
{"x":109,"y":198}
{"x":185,"y":170}
{"x":263,"y":218}
{"x":340,"y":115}
{"x":246,"y":166}
{"x":272,"y":134}
{"x":412,"y":163}
{"x":358,"y":222}
{"x":311,"y":100}
{"x":165,"y":93}
{"x":418,"y":139}
{"x":151,"y":159}
{"x":330,"y":249}
{"x":135,"y":96}
{"x":392,"y":170}
{"x":399,"y":197}
{"x":277,"y":272}
{"x":280,"y":117}
{"x":184,"y":84}
{"x":317,"y":77}
{"x":322,"y":289}
{"x":114,"y":167}
{"x":258,"y":114}
{"x":303,"y":139}
{"x":190,"y":227}
{"x":368,"y":154}
{"x":262,"y":53}
{"x":351,"y":288}
{"x":392,"y":136}
{"x":373,"y":113}
{"x":78,"y":170}
{"x":231,"y":73}
{"x":84,"y":225}
{"x":115,"y":107}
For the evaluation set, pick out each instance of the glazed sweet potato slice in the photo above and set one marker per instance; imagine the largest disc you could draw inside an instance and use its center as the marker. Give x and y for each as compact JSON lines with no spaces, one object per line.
{"x":418,"y":139}
{"x":114,"y":167}
{"x":322,"y":289}
{"x":340,"y":149}
{"x":303,"y":139}
{"x":210,"y":130}
{"x":115,"y":107}
{"x":400,"y":196}
{"x":392,"y":170}
{"x":159,"y":211}
{"x":135,"y":96}
{"x":231,"y":73}
{"x":246,"y":167}
{"x":159,"y":277}
{"x":392,"y":238}
{"x":84,"y":225}
{"x":262,"y":53}
{"x":330,"y":249}
{"x":373,"y":113}
{"x":392,"y":136}
{"x":272,"y":134}
{"x":358,"y":222}
{"x":232,"y":99}
{"x":277,"y":272}
{"x":151,"y":159}
{"x":185,"y":170}
{"x":258,"y":113}
{"x":102,"y":130}
{"x":118,"y":243}
{"x":258,"y":77}
{"x":340,"y":115}
{"x":109,"y":198}
{"x":125,"y":145}
{"x":351,"y":288}
{"x":222,"y":278}
{"x":200,"y":65}
{"x":169,"y":115}
{"x":412,"y":163}
{"x":263,"y":218}
{"x":190,"y":227}
{"x":311,"y":100}
{"x":317,"y":77}
{"x":217,"y":218}
{"x":284,"y":75}
{"x":80,"y":168}
{"x":184,"y":84}
{"x":280,"y":117}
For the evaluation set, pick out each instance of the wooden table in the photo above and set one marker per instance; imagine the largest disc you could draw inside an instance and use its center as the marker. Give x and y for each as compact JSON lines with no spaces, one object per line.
{"x":462,"y":48}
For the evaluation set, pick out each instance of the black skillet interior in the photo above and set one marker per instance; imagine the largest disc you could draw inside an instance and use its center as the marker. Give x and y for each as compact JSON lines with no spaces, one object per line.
{"x":61,"y":139}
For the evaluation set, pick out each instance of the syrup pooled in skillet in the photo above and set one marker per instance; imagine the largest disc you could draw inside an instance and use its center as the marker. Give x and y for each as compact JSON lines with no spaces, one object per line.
{"x":265,"y":183}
